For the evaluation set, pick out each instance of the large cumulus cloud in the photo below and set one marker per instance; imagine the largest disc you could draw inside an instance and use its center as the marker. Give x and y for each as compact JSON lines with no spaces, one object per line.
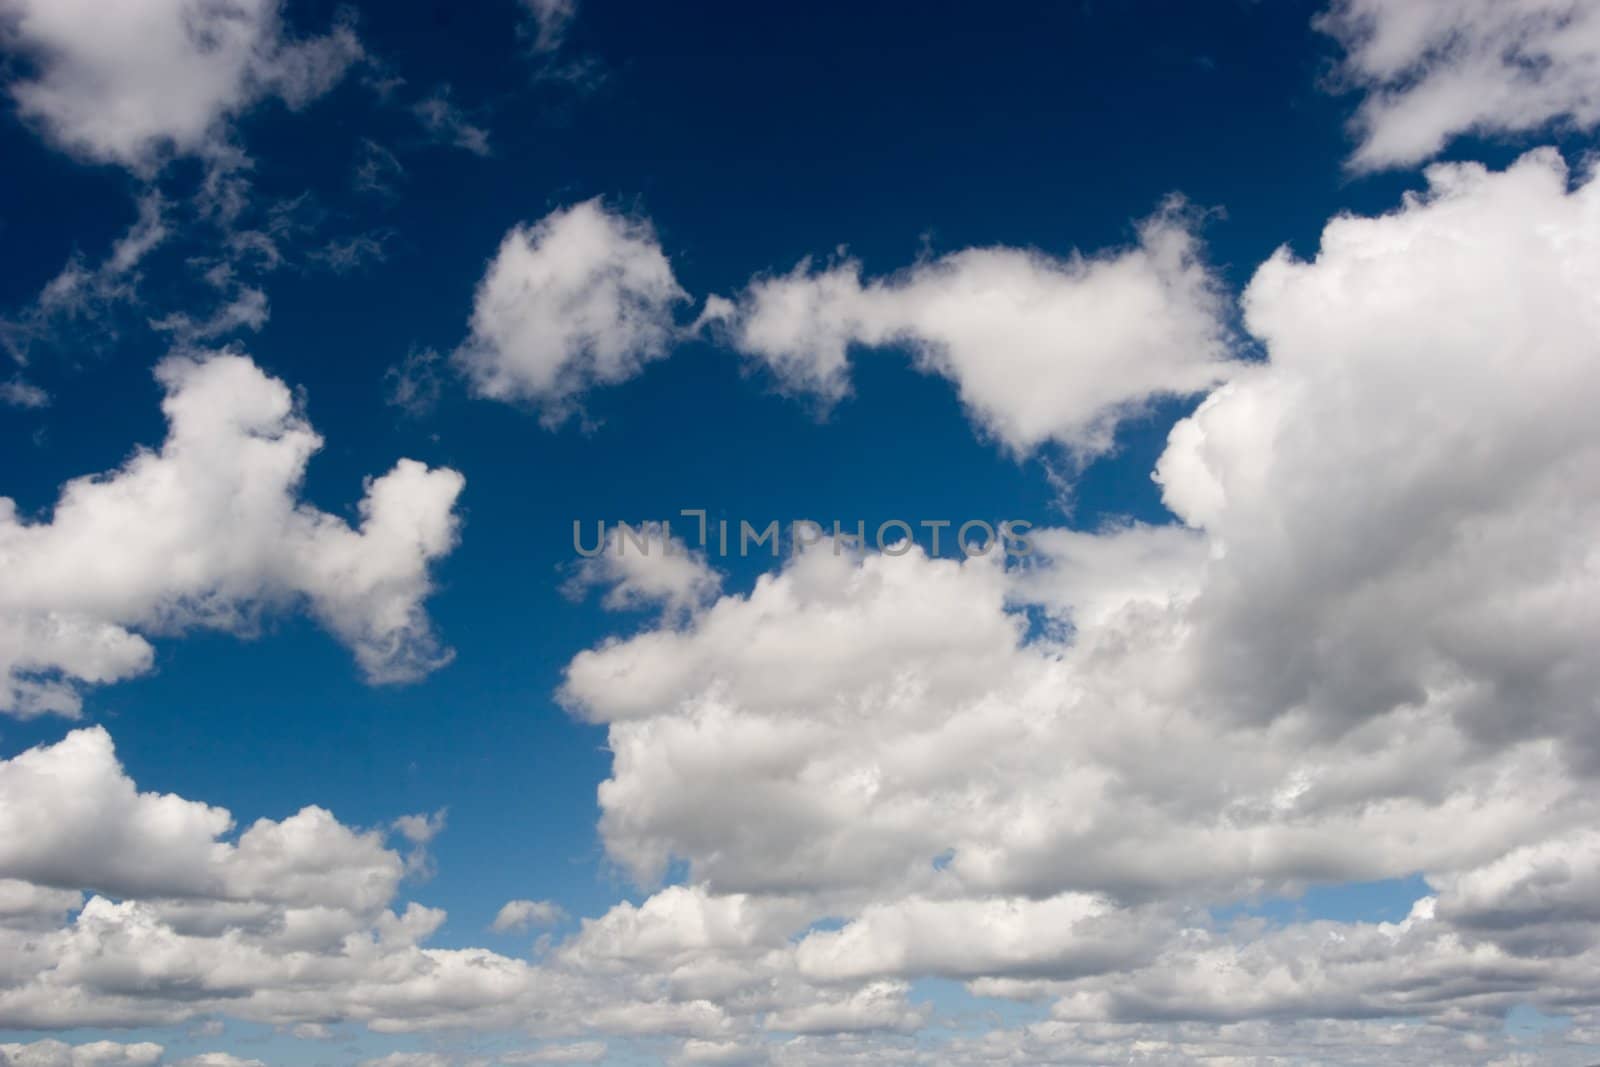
{"x":207,"y":531}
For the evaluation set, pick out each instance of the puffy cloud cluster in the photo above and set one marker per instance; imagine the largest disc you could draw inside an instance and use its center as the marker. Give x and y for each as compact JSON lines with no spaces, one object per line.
{"x":122,"y":908}
{"x":207,"y":531}
{"x":1041,"y":349}
{"x":196,"y":66}
{"x":1363,"y":653}
{"x":290,"y":922}
{"x":1363,"y":656}
{"x":1436,"y":69}
{"x":582,"y":298}
{"x":50,"y":1053}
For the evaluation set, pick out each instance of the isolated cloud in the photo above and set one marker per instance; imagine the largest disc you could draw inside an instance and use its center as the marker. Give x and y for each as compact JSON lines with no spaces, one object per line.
{"x":448,"y":124}
{"x":197,"y":66}
{"x":1041,"y":349}
{"x":582,"y":298}
{"x":1435,"y":69}
{"x":207,"y":532}
{"x":550,"y":20}
{"x":641,"y":566}
{"x":521,"y":914}
{"x":23,"y":394}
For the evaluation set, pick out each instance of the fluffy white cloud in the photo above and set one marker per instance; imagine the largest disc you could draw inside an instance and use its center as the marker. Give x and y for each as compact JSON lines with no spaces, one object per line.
{"x":1040,"y":349}
{"x":643,"y":566}
{"x":584,"y":297}
{"x":521,"y":914}
{"x":289,"y":922}
{"x":292,"y":925}
{"x":1363,"y":657}
{"x":72,"y":819}
{"x":207,"y":532}
{"x":576,"y":1052}
{"x":49,"y":1053}
{"x":1436,"y":69}
{"x":1401,"y":499}
{"x":197,"y":65}
{"x":1070,"y":933}
{"x":409,"y":1059}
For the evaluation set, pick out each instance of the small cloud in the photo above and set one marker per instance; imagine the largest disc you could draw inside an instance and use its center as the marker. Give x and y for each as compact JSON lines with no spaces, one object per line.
{"x":247,"y":309}
{"x":448,"y":124}
{"x":642,"y":566}
{"x":550,"y":19}
{"x":420,"y":830}
{"x":342,"y":255}
{"x":521,"y":914}
{"x":377,"y":169}
{"x":415,"y":384}
{"x":20,"y":394}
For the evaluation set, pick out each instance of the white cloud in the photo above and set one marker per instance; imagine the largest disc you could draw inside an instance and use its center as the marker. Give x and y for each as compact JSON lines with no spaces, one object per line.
{"x":72,"y":819}
{"x":1066,"y":934}
{"x":198,"y":65}
{"x":22,"y":394}
{"x":207,"y":532}
{"x":409,"y":1059}
{"x":874,"y":1006}
{"x":1409,"y":481}
{"x":1040,"y":349}
{"x":448,"y":124}
{"x":377,"y":170}
{"x":415,"y":384}
{"x":550,"y":21}
{"x":582,"y":298}
{"x":51,"y":1053}
{"x":420,"y":829}
{"x":289,"y":922}
{"x":82,"y":294}
{"x":696,"y":1051}
{"x":1365,"y":657}
{"x":642,"y":566}
{"x":245,"y":309}
{"x":521,"y":914}
{"x":576,"y":1052}
{"x":1436,"y":69}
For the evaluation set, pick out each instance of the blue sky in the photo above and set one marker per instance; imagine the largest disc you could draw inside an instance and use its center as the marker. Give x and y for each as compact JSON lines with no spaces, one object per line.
{"x":1300,"y":661}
